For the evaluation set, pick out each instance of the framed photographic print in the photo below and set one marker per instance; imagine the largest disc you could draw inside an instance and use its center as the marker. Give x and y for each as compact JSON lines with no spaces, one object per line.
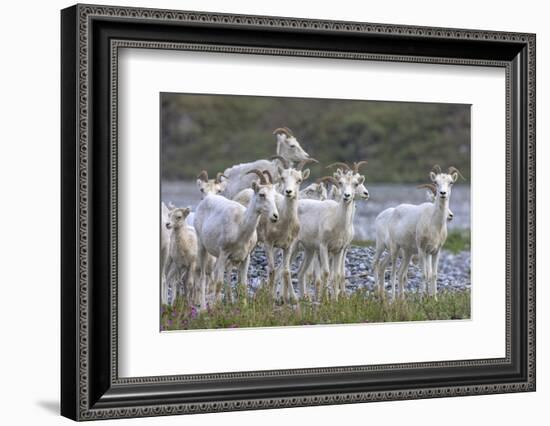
{"x":263,"y":212}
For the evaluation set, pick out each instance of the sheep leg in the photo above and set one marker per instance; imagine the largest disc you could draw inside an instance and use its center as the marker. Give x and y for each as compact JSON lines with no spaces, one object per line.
{"x":402,"y":274}
{"x":429,"y":273}
{"x":335,"y":271}
{"x":427,"y":268}
{"x":219,"y":272}
{"x":243,"y":277}
{"x":203,"y":261}
{"x":287,"y":289}
{"x":342,"y":270}
{"x":165,"y":282}
{"x":422,"y":261}
{"x":435,"y":264}
{"x":308,"y":257}
{"x":379,"y":271}
{"x":190,"y":283}
{"x":394,"y":252}
{"x":313,"y":276}
{"x":270,"y":256}
{"x":324,"y":261}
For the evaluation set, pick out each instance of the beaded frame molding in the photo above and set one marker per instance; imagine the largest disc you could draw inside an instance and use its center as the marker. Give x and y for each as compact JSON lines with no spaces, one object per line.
{"x":91,"y":38}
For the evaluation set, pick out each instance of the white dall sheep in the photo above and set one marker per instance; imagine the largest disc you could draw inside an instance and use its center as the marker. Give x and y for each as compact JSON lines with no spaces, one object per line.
{"x":288,"y":147}
{"x":182,"y":254}
{"x":282,"y":234}
{"x":415,"y":229}
{"x":382,"y":236}
{"x":361,"y":193}
{"x":227,"y":230}
{"x":326,"y":229}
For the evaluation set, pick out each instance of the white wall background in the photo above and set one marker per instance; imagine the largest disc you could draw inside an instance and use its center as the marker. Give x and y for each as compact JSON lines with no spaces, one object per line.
{"x":29,"y":215}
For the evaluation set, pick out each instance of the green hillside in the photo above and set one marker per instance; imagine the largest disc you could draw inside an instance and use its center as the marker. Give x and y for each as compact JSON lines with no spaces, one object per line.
{"x":401,"y":141}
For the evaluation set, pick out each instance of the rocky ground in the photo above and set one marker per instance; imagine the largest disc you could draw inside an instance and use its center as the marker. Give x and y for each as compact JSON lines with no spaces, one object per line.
{"x":453,"y":275}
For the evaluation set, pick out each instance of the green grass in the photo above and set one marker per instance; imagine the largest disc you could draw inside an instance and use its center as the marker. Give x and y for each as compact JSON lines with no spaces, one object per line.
{"x":262,"y":311}
{"x":458,"y":241}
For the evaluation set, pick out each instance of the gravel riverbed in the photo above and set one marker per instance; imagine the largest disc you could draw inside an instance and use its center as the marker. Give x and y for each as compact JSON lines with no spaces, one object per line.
{"x":453,"y":274}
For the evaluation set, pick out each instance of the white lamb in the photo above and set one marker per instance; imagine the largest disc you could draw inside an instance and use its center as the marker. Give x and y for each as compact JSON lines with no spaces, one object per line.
{"x":182,"y":254}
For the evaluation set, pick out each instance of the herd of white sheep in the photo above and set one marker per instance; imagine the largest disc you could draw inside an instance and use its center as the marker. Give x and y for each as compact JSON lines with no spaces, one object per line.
{"x":262,"y":203}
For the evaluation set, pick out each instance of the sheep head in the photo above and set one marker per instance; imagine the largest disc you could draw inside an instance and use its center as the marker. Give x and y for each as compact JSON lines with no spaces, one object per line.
{"x":288,"y":146}
{"x":264,"y":200}
{"x":316,"y":191}
{"x":443,"y":182}
{"x":177,"y":217}
{"x":211,"y":186}
{"x":292,"y":178}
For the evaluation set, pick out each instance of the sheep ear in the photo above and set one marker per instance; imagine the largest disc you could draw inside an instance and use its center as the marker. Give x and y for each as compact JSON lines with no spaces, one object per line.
{"x":185,"y":211}
{"x":255,"y":186}
{"x":199,"y":183}
{"x":305,"y":174}
{"x":361,"y":180}
{"x":432,"y":176}
{"x":454,"y":176}
{"x":280,"y":170}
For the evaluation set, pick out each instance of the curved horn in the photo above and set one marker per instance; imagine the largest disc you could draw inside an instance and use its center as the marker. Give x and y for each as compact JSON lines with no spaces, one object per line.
{"x":329,"y":179}
{"x":358,"y":164}
{"x":429,"y":186}
{"x":302,"y":163}
{"x":283,"y":161}
{"x":219,"y":175}
{"x":436,"y":169}
{"x":203,"y":175}
{"x":453,"y":169}
{"x":284,"y":130}
{"x":344,"y":165}
{"x":266,"y":173}
{"x":259,"y":174}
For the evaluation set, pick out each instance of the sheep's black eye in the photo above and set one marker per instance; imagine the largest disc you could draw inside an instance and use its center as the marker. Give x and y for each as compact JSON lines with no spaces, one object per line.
{"x":202,"y":189}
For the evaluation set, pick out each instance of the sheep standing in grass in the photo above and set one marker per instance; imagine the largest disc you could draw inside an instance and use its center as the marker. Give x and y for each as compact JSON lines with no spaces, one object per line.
{"x":360,"y":193}
{"x":281,"y":234}
{"x":288,"y":147}
{"x":326,"y":229}
{"x":415,"y":229}
{"x":227,"y":230}
{"x":182,"y":254}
